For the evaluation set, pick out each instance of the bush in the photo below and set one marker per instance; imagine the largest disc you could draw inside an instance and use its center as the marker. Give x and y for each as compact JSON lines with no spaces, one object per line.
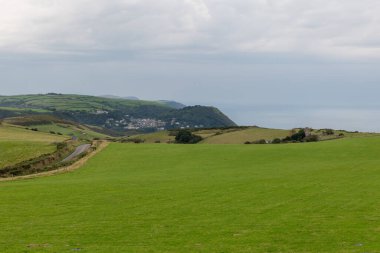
{"x":329,"y":132}
{"x":262,"y":141}
{"x":311,"y":138}
{"x":52,"y":132}
{"x":298,"y":136}
{"x":247,"y":142}
{"x":276,"y":141}
{"x":186,"y":137}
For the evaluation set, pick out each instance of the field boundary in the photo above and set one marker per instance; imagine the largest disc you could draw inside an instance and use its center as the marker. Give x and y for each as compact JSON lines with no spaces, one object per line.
{"x":76,"y":165}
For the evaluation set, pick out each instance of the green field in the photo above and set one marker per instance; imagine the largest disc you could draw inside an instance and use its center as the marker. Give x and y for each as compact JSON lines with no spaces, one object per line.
{"x":219,"y":136}
{"x":249,"y":134}
{"x":13,"y":152}
{"x":17,"y":144}
{"x":311,"y":197}
{"x":69,"y":130}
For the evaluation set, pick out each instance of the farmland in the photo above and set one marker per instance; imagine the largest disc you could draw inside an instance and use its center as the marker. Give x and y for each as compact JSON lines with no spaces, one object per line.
{"x":309,"y":197}
{"x":18,"y":144}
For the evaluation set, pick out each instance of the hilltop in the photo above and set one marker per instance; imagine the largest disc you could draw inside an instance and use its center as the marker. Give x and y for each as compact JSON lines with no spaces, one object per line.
{"x":116,"y":114}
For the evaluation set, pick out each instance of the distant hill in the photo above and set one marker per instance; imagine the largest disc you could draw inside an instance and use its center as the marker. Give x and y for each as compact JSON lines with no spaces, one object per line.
{"x":170,"y":103}
{"x":117,"y":97}
{"x":116,"y":114}
{"x":173,"y":104}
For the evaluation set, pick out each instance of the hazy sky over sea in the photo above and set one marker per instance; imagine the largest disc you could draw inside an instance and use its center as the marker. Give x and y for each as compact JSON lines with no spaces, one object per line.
{"x":267,"y":62}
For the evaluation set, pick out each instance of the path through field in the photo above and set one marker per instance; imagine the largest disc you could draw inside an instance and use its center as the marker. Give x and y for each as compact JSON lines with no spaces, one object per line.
{"x":78,"y":151}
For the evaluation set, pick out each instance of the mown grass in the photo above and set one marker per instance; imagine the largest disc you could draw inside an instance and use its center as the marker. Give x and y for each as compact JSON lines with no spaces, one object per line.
{"x":310,"y":197}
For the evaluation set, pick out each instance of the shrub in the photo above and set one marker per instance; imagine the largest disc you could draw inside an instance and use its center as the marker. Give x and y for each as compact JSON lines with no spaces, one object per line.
{"x":186,"y":137}
{"x":247,"y":142}
{"x":262,"y":141}
{"x":137,"y":140}
{"x":311,"y":138}
{"x":276,"y":141}
{"x":329,"y":132}
{"x":298,"y":136}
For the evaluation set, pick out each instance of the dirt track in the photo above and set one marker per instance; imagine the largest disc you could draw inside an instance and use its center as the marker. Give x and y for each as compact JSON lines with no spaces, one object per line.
{"x":78,"y":151}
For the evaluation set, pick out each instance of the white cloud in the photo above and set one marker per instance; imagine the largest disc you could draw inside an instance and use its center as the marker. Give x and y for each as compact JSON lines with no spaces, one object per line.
{"x":325,"y":28}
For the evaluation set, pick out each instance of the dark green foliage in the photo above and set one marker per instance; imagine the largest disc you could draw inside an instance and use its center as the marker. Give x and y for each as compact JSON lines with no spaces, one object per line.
{"x":262,"y":141}
{"x":311,"y":138}
{"x":186,"y":137}
{"x":328,"y":131}
{"x":299,"y":136}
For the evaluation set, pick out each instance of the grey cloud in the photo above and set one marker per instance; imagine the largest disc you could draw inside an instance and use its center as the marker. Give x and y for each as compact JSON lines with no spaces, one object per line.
{"x":323,"y":27}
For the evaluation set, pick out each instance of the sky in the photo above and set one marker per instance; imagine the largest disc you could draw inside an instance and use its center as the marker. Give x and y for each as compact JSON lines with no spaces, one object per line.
{"x":266,"y":62}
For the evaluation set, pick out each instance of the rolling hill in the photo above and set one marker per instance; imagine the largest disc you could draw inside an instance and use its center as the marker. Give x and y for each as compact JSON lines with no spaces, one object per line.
{"x":122,"y":115}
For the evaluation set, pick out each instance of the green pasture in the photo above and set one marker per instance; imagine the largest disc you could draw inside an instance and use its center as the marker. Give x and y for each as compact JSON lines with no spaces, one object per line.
{"x":17,"y":144}
{"x":309,"y":197}
{"x":12,"y":152}
{"x":69,"y":130}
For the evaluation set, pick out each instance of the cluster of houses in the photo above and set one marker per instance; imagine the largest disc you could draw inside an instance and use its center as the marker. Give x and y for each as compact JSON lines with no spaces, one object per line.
{"x":130,"y":123}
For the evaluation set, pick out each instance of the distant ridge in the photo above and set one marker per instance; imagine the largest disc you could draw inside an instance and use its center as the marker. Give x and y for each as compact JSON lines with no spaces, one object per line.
{"x":171,"y":103}
{"x":118,"y":97}
{"x":116,"y":114}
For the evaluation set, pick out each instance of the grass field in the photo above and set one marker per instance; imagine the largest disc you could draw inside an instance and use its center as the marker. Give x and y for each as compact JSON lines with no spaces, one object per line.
{"x":311,"y":197}
{"x":17,"y":144}
{"x":69,"y":130}
{"x":13,"y":152}
{"x":220,"y":136}
{"x":250,"y":134}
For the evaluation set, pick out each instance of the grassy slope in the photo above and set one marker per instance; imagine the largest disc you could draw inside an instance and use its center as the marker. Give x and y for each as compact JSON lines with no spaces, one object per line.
{"x":225,"y":136}
{"x":17,"y":144}
{"x":162,"y":136}
{"x":67,"y":129}
{"x":250,"y":134}
{"x":312,"y":197}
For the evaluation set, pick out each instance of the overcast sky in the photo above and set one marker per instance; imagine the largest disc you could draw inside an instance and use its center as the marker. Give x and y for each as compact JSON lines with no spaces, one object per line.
{"x":230,"y":53}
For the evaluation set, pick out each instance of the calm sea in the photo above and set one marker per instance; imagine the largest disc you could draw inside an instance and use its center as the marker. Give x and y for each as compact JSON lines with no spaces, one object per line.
{"x":364,"y":118}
